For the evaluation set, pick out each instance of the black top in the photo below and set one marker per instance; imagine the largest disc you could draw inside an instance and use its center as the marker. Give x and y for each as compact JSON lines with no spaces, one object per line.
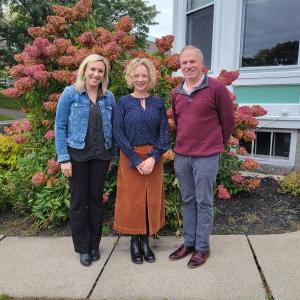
{"x":94,"y":140}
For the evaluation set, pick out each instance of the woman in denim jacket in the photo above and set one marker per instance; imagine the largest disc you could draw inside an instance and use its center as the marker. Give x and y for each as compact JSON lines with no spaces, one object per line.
{"x":85,"y":147}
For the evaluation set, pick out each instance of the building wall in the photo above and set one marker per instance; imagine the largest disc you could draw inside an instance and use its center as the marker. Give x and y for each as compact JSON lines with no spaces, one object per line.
{"x":297,"y":160}
{"x":276,"y":88}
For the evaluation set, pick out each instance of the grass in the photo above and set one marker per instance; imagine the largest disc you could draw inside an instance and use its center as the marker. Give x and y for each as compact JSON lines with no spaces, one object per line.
{"x":226,"y":230}
{"x":4,"y":118}
{"x":9,"y":103}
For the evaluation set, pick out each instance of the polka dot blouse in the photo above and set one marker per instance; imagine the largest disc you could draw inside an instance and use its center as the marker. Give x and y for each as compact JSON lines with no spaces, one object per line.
{"x":133,"y":126}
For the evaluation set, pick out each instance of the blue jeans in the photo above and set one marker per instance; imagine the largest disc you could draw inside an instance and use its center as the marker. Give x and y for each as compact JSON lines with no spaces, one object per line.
{"x":196,"y":177}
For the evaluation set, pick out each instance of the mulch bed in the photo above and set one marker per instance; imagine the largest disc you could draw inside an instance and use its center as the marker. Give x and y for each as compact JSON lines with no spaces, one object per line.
{"x":260,"y":211}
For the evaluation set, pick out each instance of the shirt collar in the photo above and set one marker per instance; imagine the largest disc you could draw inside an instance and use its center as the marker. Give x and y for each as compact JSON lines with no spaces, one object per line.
{"x":83,"y":91}
{"x":185,"y":87}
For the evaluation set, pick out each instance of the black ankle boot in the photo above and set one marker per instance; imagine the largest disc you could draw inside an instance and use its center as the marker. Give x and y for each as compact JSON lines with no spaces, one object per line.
{"x":146,"y":250}
{"x":85,"y":259}
{"x":135,"y":250}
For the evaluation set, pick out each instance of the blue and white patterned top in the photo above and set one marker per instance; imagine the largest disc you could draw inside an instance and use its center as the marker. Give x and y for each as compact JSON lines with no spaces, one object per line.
{"x":134,"y":126}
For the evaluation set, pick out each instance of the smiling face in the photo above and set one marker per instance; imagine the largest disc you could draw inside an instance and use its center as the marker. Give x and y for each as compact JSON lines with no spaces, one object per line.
{"x":191,"y":65}
{"x":94,"y":73}
{"x":140,"y":79}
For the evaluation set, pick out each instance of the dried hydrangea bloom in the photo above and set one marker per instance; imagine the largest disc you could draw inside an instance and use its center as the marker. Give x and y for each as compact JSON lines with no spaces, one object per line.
{"x":62,"y":76}
{"x":50,"y":106}
{"x":228,"y":77}
{"x":103,"y":36}
{"x":250,"y":164}
{"x":87,"y":39}
{"x":172,"y":62}
{"x":128,"y":42}
{"x":124,"y":24}
{"x":165,"y":43}
{"x":38,"y":179}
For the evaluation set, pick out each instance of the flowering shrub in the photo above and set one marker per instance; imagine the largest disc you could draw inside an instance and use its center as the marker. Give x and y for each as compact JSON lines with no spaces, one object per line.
{"x":9,"y":152}
{"x":50,"y":62}
{"x":290,"y":184}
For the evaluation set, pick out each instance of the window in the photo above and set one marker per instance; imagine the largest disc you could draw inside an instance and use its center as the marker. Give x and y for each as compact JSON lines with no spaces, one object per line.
{"x":271,"y":33}
{"x":192,"y":4}
{"x":200,"y":31}
{"x":269,"y":143}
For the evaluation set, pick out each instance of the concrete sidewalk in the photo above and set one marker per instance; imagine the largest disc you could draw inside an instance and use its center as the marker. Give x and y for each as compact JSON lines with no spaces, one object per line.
{"x":48,"y":267}
{"x":14,"y":114}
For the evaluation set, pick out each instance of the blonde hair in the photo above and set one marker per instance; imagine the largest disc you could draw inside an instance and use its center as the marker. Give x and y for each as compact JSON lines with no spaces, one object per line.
{"x":140,"y":62}
{"x":80,"y":79}
{"x":199,"y":52}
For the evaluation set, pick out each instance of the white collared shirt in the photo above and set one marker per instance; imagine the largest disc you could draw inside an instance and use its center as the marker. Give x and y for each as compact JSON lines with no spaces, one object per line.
{"x":187,"y":90}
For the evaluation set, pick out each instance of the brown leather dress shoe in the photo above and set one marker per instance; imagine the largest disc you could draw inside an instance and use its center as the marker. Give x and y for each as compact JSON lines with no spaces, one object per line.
{"x":198,"y":258}
{"x":181,"y":252}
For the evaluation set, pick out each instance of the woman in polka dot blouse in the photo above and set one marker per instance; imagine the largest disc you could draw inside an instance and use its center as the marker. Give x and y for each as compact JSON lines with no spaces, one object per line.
{"x":141,"y":131}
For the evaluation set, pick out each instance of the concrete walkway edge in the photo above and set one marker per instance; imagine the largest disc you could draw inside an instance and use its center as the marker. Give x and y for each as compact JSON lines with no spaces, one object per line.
{"x":48,"y":267}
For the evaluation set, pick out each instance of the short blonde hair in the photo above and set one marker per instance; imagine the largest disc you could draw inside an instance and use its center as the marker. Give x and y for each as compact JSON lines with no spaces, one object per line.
{"x":80,"y":79}
{"x":140,"y":62}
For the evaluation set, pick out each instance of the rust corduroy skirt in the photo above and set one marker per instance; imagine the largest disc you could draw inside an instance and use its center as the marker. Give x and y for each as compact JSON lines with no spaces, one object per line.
{"x":135,"y":192}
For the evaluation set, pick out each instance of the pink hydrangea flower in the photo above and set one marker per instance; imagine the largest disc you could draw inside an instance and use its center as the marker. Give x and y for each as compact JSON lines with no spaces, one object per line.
{"x":258,"y":111}
{"x":38,"y":179}
{"x":105,"y":197}
{"x":32,"y":69}
{"x":233,"y":141}
{"x":250,"y":164}
{"x":19,"y":139}
{"x":223,"y":192}
{"x":49,"y":135}
{"x":237,"y":178}
{"x":17,"y":71}
{"x":249,"y":135}
{"x":12,"y":92}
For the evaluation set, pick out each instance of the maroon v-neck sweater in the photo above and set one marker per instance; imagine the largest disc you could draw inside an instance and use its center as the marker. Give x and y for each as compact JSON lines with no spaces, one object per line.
{"x":204,"y":118}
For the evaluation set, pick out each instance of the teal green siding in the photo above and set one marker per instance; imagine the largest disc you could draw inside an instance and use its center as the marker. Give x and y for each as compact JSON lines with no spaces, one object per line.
{"x":268,"y":94}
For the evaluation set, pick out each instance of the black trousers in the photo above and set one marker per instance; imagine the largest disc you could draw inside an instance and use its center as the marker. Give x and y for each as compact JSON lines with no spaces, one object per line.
{"x":86,"y":208}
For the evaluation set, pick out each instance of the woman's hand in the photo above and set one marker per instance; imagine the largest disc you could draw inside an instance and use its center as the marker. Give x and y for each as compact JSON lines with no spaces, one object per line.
{"x":66,"y":169}
{"x":148,"y":165}
{"x":139,"y":167}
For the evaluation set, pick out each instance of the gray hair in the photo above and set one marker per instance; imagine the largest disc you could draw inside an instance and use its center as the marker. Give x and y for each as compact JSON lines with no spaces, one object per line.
{"x":193,"y":48}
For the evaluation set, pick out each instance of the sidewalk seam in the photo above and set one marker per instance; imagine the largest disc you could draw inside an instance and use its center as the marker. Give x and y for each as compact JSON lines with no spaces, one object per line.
{"x":98,"y":277}
{"x":2,"y":238}
{"x":269,"y":295}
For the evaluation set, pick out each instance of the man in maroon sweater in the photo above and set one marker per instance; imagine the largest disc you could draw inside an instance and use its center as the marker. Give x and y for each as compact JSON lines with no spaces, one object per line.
{"x":203,"y":114}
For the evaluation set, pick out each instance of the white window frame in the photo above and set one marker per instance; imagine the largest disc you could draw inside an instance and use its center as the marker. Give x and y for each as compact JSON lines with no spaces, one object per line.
{"x":263,"y":75}
{"x":269,"y":159}
{"x":213,"y":42}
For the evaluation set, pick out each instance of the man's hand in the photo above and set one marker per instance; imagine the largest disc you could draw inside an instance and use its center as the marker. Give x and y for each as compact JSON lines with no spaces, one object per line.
{"x":66,"y":169}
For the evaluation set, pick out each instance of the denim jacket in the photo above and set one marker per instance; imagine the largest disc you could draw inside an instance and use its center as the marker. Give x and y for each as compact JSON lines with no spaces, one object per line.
{"x":71,"y":121}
